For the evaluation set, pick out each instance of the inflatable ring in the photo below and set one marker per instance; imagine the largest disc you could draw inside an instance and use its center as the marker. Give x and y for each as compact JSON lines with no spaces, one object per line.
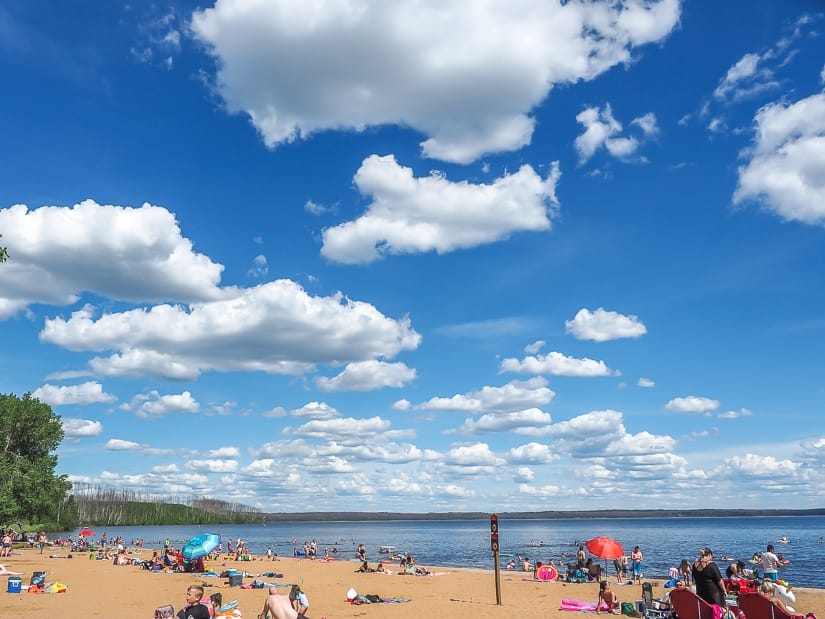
{"x":547,"y":572}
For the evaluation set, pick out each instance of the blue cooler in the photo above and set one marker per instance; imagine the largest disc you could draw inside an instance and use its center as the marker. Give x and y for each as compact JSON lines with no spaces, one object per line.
{"x":15,"y":584}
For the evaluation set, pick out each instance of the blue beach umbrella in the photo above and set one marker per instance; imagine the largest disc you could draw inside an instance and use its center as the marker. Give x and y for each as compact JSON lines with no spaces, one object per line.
{"x":200,"y":546}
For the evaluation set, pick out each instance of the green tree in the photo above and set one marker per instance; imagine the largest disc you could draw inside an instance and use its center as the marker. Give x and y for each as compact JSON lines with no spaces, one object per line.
{"x":4,"y":253}
{"x":29,"y":489}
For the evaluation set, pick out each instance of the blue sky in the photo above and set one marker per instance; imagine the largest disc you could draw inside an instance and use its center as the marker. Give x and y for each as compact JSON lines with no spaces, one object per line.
{"x":414,"y":256}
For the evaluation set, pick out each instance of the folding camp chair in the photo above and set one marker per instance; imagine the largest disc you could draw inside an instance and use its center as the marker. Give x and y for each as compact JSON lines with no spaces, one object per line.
{"x":757,"y":606}
{"x":688,"y":605}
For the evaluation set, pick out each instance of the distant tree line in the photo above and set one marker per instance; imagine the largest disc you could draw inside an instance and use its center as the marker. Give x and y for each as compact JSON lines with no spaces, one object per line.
{"x":110,"y":507}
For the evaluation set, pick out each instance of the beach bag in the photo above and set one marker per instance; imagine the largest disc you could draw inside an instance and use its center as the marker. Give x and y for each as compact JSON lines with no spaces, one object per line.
{"x":38,"y":578}
{"x":628,"y":609}
{"x":165,"y":612}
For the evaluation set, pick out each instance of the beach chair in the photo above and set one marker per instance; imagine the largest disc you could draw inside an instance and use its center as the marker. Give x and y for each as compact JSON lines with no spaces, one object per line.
{"x":687,"y":605}
{"x":757,"y":606}
{"x":647,"y":594}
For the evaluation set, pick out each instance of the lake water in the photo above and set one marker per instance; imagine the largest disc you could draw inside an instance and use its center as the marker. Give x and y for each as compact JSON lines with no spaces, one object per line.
{"x":466,"y":543}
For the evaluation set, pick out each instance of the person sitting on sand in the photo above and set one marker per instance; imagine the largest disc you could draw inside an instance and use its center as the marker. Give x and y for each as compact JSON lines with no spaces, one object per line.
{"x":768,"y":590}
{"x":526,"y":566}
{"x":365,"y":567}
{"x":379,"y":567}
{"x":194,"y":609}
{"x":277,"y":606}
{"x":215,"y":602}
{"x":299,"y":599}
{"x":735,"y":570}
{"x":608,"y":601}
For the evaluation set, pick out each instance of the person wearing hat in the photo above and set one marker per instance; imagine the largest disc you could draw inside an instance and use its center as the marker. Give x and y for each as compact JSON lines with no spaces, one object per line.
{"x":708,"y":579}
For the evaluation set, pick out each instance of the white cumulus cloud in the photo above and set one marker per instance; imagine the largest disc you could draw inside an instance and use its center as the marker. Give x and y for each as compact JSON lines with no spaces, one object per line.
{"x":85,"y":393}
{"x":556,"y":364}
{"x":692,"y":404}
{"x":466,"y":79}
{"x":275,"y":327}
{"x":786,"y":164}
{"x":413,"y":215}
{"x":123,"y":253}
{"x":367,"y":376}
{"x":602,"y":325}
{"x":74,"y":428}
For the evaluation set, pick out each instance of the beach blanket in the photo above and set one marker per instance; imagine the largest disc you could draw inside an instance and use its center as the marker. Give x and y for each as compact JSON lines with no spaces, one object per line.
{"x":371,"y":598}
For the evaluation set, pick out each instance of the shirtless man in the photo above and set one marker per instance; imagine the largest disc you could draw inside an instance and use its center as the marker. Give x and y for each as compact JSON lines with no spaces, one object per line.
{"x":279,"y":607}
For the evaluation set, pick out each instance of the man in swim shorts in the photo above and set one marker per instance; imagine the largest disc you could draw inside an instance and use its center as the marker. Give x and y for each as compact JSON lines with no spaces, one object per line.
{"x":769,"y":563}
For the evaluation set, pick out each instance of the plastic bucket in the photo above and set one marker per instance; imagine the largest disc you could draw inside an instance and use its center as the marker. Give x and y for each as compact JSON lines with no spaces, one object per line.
{"x":15,"y":584}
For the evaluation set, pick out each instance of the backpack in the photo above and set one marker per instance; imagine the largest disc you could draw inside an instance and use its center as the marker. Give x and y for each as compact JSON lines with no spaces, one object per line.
{"x":165,"y":612}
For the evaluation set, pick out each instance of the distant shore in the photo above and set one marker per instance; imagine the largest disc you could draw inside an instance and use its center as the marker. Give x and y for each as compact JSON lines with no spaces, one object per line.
{"x":539,"y":515}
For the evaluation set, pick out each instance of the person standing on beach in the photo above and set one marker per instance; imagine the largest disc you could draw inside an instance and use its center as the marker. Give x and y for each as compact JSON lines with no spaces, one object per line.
{"x":636,"y":563}
{"x":708,"y":579}
{"x":769,"y":563}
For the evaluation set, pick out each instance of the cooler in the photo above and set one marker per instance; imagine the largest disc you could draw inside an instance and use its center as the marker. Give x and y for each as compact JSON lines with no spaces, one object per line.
{"x":15,"y":584}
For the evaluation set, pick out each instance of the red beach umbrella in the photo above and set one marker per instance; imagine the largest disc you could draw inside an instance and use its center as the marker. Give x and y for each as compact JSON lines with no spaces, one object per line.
{"x":605,"y":547}
{"x":87,"y":533}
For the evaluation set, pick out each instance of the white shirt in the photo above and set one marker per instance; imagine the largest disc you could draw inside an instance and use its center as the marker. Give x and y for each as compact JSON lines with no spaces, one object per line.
{"x":769,"y":562}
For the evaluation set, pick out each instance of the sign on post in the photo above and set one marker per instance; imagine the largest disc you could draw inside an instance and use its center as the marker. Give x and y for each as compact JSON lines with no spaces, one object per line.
{"x":494,"y":547}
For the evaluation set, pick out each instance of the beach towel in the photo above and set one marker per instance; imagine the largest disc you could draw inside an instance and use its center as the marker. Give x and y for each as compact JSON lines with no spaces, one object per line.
{"x":371,"y":598}
{"x":577,"y":606}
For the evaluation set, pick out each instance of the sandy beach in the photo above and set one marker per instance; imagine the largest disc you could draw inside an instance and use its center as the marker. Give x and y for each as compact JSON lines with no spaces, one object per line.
{"x":101,"y":589}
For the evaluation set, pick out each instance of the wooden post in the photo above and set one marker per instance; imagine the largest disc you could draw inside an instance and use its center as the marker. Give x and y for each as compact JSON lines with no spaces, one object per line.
{"x":494,"y":548}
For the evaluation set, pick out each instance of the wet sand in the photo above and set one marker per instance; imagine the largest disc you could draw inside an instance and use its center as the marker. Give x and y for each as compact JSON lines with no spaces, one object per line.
{"x":101,"y":589}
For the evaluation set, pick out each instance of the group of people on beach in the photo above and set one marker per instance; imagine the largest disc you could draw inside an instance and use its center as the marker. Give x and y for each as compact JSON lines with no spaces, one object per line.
{"x":712,"y":587}
{"x":293,"y":605}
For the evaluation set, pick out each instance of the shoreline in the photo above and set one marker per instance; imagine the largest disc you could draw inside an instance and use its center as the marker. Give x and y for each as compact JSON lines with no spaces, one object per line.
{"x":101,"y":589}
